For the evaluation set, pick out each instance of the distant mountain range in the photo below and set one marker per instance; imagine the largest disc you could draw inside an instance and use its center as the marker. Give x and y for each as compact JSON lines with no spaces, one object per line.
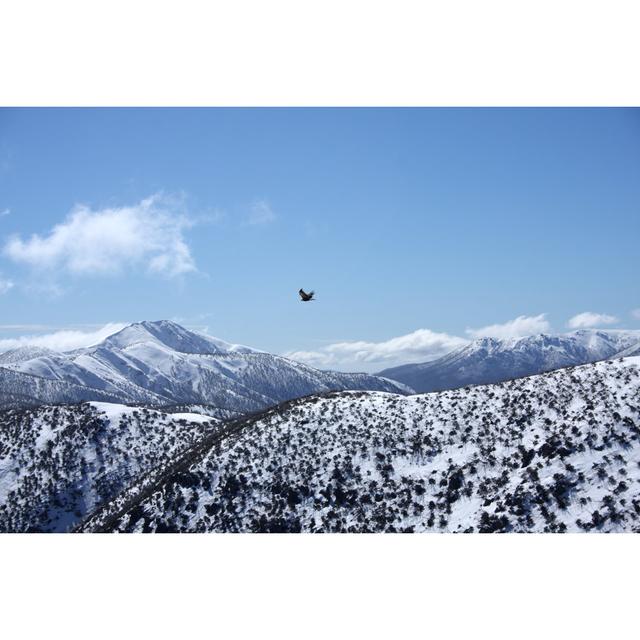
{"x":489,"y":360}
{"x":162,"y":363}
{"x":553,"y":452}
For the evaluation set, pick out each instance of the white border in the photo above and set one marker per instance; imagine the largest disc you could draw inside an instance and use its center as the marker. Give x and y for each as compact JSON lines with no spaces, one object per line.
{"x":306,"y":586}
{"x":334,"y":52}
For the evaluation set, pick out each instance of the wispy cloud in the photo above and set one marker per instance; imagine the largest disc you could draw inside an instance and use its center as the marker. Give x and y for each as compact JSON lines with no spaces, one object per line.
{"x":261,"y":213}
{"x":149,"y":234}
{"x":4,"y":212}
{"x":420,"y":346}
{"x":517,"y":328}
{"x":5,"y":285}
{"x":195,"y":322}
{"x":63,"y":340}
{"x":636,"y":313}
{"x":588,"y":319}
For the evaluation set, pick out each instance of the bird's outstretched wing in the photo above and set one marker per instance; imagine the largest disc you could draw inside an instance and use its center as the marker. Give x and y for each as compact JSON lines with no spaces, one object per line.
{"x":306,"y":296}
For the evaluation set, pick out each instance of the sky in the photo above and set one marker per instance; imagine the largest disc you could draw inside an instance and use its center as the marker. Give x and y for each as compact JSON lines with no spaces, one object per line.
{"x":419,"y":229}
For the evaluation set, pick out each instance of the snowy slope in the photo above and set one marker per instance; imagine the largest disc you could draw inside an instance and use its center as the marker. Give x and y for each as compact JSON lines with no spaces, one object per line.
{"x":553,"y":452}
{"x":59,"y":463}
{"x":163,"y":363}
{"x":22,"y":354}
{"x":490,"y":360}
{"x":633,"y":350}
{"x":19,"y":389}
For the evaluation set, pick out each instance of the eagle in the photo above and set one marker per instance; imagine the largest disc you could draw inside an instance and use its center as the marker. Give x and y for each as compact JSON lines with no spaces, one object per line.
{"x":306,"y":297}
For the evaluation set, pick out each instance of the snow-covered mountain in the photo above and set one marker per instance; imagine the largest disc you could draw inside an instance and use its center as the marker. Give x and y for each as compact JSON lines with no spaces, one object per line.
{"x":160,"y":363}
{"x":19,"y":389}
{"x":551,"y":453}
{"x":488,"y":360}
{"x":633,"y":350}
{"x":58,"y":464}
{"x":21,"y":354}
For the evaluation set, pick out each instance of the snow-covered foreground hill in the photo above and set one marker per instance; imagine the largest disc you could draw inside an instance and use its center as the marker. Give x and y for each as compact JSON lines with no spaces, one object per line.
{"x":162,"y":363}
{"x":488,"y":360}
{"x":553,"y":452}
{"x":58,"y":464}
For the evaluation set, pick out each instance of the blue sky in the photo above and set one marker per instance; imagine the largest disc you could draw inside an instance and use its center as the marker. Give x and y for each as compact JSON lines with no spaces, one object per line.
{"x":418,"y":228}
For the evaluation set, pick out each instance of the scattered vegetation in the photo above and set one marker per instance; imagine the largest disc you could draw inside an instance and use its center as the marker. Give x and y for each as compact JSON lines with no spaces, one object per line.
{"x":551,"y":453}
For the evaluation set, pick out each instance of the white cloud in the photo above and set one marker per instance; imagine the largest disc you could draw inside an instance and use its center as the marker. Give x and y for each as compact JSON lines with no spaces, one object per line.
{"x":636,"y":314}
{"x":319,"y":359}
{"x":261,"y":213}
{"x":5,"y":285}
{"x":5,"y":212}
{"x":64,"y":340}
{"x":588,"y":319}
{"x":517,"y":328}
{"x":420,"y":346}
{"x":105,"y":241}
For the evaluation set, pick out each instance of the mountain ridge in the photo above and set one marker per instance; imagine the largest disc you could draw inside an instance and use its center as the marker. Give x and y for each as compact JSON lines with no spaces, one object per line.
{"x":553,"y":452}
{"x":60,"y":463}
{"x":161,"y":362}
{"x":489,"y":360}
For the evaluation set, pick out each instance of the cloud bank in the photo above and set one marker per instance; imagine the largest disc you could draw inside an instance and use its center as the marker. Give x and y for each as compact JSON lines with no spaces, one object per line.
{"x":106,"y":241}
{"x":588,"y":319}
{"x":420,"y":346}
{"x":64,"y":340}
{"x":424,"y":345}
{"x":518,"y":328}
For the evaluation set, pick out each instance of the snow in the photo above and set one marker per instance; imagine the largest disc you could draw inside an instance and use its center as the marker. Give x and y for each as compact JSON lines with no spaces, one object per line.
{"x":162,"y":363}
{"x":191,"y":417}
{"x":21,"y":354}
{"x":113,"y":411}
{"x":488,"y":360}
{"x":553,"y":452}
{"x":58,"y":464}
{"x":558,"y":451}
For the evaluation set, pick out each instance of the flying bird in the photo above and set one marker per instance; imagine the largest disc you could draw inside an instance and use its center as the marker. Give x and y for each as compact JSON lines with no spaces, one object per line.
{"x":306,"y":297}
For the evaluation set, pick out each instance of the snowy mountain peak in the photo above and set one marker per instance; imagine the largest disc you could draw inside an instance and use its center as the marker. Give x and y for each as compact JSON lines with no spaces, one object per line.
{"x":163,"y":363}
{"x":171,"y":335}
